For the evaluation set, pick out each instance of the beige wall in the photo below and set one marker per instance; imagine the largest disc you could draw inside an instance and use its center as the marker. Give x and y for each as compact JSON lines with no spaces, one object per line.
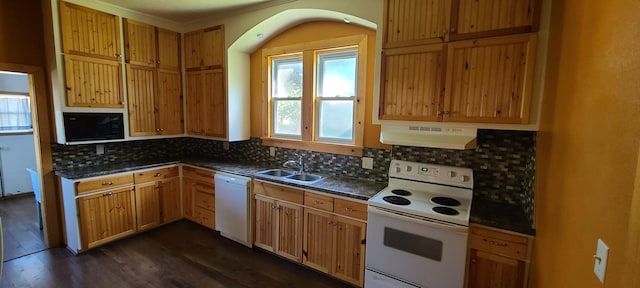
{"x":588,"y":146}
{"x":314,"y":31}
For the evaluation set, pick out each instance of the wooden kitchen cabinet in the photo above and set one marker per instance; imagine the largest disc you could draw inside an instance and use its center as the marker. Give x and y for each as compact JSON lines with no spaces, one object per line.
{"x":206,"y":103}
{"x":170,"y":200}
{"x":486,"y":18}
{"x":204,"y":49}
{"x":169,"y":57}
{"x":265,"y":219}
{"x":147,"y":205}
{"x":93,"y":82}
{"x":416,"y":22}
{"x":498,"y":259}
{"x":140,"y":43}
{"x":88,"y":32}
{"x":490,"y":80}
{"x":157,"y":197}
{"x":199,"y":195}
{"x":106,"y":216}
{"x":335,"y":244}
{"x":413,"y":80}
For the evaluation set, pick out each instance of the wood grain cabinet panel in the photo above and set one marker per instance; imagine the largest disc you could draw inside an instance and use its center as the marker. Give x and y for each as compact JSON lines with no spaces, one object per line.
{"x":265,"y":223}
{"x":170,"y":116}
{"x":318,"y":243}
{"x":103,"y":183}
{"x":140,"y":43}
{"x":215,"y":100}
{"x":195,"y":103}
{"x":348,"y":263}
{"x":488,"y":270}
{"x":141,"y":100}
{"x":413,"y":80}
{"x":490,"y":80}
{"x":106,"y":216}
{"x":486,"y":18}
{"x":92,"y":82}
{"x":204,"y":49}
{"x":147,"y":205}
{"x":89,"y":32}
{"x":289,"y":231}
{"x":168,"y":50}
{"x":171,"y":200}
{"x":192,"y":50}
{"x":199,"y":196}
{"x":416,"y":22}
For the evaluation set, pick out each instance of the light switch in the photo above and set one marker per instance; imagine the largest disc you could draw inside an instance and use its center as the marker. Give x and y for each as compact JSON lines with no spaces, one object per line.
{"x":99,"y":149}
{"x":272,"y":151}
{"x":367,"y":163}
{"x":602,"y":253}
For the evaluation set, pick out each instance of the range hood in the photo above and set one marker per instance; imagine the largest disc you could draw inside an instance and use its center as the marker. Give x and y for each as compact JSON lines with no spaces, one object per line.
{"x":429,"y":136}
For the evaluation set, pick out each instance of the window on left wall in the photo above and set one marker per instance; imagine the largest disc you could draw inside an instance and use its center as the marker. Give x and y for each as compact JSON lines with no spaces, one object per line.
{"x":15,"y":112}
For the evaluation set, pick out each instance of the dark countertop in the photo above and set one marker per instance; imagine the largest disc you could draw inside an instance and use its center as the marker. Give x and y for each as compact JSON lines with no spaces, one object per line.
{"x":500,"y":215}
{"x":483,"y":212}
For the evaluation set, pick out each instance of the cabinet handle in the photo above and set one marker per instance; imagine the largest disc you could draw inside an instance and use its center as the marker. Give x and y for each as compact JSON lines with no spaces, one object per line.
{"x":157,"y":175}
{"x":319,"y":202}
{"x":473,"y":260}
{"x":444,"y":113}
{"x":107,"y":183}
{"x":274,"y":207}
{"x":495,"y":243}
{"x":349,"y":209}
{"x":107,"y":193}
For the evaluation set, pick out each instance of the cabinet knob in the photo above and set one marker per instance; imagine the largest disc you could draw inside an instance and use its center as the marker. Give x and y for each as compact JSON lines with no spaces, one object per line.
{"x":107,"y":183}
{"x":157,"y":175}
{"x":107,"y":193}
{"x":349,"y":209}
{"x":473,"y":260}
{"x":319,"y":202}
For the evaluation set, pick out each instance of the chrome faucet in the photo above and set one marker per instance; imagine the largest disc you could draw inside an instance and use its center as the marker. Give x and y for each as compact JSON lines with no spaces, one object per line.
{"x":295,"y":164}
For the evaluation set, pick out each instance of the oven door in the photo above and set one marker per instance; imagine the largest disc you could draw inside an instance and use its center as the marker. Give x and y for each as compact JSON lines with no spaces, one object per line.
{"x":417,"y":251}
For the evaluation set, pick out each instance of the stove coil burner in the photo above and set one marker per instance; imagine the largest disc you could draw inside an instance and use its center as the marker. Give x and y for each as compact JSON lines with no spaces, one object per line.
{"x":446,"y":201}
{"x":445,"y":210}
{"x":401,"y":192}
{"x":396,"y":200}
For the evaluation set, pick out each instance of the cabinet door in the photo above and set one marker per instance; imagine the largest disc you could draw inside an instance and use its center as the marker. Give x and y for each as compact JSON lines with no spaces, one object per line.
{"x":490,"y":80}
{"x":413,"y":83}
{"x":492,"y":271}
{"x":348,"y":262}
{"x":106,"y":216}
{"x":215,"y":104}
{"x":88,"y":32}
{"x":193,"y":57}
{"x":213,"y":47}
{"x":289,"y":231}
{"x":170,"y":197}
{"x":188,"y":190}
{"x":195,"y":103}
{"x":169,"y":103}
{"x":416,"y":22}
{"x":475,"y":19}
{"x":265,"y":221}
{"x":141,"y":100}
{"x":319,"y":232}
{"x":140,"y":43}
{"x":148,"y":205}
{"x":93,"y":82}
{"x":168,"y":50}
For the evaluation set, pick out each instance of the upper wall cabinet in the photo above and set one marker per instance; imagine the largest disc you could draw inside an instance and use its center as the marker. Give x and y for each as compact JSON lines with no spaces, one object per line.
{"x":204,"y":49}
{"x":150,"y":46}
{"x":88,"y":32}
{"x":416,"y":22}
{"x":91,"y":82}
{"x":483,"y":18}
{"x":168,"y":49}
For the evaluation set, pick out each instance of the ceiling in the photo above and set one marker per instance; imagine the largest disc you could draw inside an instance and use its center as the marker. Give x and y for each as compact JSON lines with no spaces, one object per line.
{"x":184,"y":10}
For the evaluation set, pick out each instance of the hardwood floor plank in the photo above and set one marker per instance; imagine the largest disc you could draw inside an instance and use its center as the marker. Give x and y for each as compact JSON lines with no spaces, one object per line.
{"x":21,"y":230}
{"x":181,"y":254}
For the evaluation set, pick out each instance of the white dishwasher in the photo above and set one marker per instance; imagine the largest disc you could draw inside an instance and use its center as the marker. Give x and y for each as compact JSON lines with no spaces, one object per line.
{"x":233,"y":212}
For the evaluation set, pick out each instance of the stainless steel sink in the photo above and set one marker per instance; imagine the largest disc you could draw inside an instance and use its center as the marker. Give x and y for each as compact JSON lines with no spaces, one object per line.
{"x":290,"y":176}
{"x":276,"y":172}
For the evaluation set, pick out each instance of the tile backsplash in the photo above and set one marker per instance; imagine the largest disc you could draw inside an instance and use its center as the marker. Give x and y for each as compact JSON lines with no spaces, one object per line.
{"x":503,"y":163}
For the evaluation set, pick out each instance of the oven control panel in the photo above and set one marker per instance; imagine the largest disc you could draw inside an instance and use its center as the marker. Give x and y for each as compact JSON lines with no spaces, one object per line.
{"x":449,"y":175}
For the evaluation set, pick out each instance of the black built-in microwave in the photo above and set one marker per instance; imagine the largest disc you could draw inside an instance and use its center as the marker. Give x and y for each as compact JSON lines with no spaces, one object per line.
{"x":93,"y":126}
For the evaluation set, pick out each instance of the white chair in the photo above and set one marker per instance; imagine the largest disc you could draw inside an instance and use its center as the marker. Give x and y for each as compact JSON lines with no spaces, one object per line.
{"x":35,"y":182}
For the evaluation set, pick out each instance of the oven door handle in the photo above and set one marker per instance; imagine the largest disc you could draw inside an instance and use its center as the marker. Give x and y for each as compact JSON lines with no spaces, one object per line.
{"x":451,"y":227}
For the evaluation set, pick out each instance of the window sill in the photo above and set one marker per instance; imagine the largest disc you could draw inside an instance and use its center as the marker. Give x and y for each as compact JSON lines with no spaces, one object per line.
{"x":334,"y":148}
{"x":15,"y":132}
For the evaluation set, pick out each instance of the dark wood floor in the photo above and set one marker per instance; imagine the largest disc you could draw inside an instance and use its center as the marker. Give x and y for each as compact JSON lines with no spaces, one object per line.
{"x":181,"y":254}
{"x":21,"y":229}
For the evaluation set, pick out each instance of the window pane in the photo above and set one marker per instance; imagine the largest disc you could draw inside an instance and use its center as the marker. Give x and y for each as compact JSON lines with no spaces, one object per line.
{"x":286,"y":78}
{"x":15,"y":112}
{"x":337,"y":74}
{"x":287,"y":117}
{"x":336,"y":120}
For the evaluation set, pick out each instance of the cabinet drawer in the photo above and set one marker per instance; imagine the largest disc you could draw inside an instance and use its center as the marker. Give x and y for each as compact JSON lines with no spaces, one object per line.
{"x":205,"y":200}
{"x":205,"y":217}
{"x":318,"y":201}
{"x":351,"y":209}
{"x":279,"y":192}
{"x":499,"y":243}
{"x":201,"y":175}
{"x":88,"y":186}
{"x":156,"y":174}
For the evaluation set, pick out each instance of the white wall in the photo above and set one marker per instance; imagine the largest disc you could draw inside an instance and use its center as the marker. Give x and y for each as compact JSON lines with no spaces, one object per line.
{"x":16,"y":150}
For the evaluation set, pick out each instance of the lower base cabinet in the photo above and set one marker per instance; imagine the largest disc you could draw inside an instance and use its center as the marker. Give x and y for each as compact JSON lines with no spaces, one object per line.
{"x":199,"y":196}
{"x":498,"y":259}
{"x":279,"y":227}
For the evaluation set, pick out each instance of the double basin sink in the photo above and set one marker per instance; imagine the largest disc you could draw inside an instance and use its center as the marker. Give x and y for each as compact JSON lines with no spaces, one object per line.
{"x":286,"y":175}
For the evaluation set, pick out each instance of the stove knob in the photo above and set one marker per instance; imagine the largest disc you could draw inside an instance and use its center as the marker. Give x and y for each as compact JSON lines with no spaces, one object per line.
{"x":463,"y":178}
{"x":452,"y":174}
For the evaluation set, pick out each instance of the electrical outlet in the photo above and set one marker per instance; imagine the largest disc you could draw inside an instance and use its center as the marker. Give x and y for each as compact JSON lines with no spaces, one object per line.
{"x":600,"y":267}
{"x":367,"y":163}
{"x":225,"y":146}
{"x":272,"y":151}
{"x":99,"y":149}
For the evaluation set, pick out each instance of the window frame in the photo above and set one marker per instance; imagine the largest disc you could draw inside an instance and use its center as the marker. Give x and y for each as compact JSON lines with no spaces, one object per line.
{"x":310,"y":103}
{"x":24,"y":95}
{"x":275,"y":100}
